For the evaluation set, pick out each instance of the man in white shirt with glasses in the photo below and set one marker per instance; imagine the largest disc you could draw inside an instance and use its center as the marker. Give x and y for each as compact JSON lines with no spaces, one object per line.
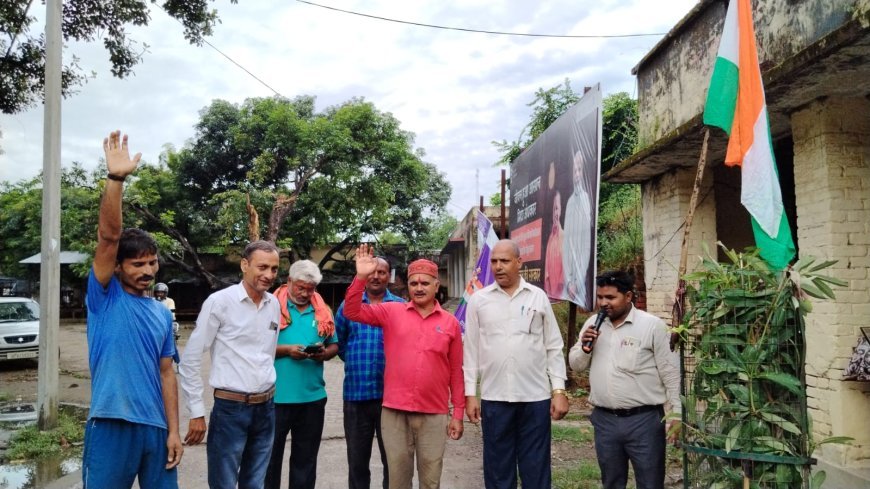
{"x":239,"y":327}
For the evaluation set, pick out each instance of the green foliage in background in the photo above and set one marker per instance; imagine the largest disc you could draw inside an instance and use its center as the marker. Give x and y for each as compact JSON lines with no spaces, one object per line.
{"x":315,"y":178}
{"x":620,"y":229}
{"x":22,"y":41}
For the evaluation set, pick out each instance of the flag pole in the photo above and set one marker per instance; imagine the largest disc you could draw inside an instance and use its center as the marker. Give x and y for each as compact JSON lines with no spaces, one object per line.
{"x":680,"y":299}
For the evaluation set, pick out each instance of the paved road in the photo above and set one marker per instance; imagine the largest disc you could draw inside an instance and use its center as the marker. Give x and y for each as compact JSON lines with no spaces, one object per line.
{"x":463,"y":468}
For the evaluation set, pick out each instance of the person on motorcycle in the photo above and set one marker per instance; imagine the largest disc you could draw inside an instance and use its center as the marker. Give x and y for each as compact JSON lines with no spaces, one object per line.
{"x":161,"y":294}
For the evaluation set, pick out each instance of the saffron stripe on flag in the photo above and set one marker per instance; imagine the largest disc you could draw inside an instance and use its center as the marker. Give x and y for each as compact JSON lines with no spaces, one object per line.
{"x":736,"y":104}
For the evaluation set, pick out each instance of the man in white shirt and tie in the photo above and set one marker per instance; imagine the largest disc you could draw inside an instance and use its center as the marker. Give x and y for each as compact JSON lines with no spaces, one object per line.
{"x":514,"y":345}
{"x":239,"y":327}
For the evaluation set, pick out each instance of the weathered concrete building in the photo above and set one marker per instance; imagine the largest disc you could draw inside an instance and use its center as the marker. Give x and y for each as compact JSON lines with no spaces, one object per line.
{"x":815,"y":61}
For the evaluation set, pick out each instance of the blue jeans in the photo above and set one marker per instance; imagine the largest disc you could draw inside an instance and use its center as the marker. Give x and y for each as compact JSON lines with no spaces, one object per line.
{"x":117,"y":452}
{"x":239,"y":444}
{"x":639,"y":438}
{"x":516,"y":435}
{"x":304,"y":423}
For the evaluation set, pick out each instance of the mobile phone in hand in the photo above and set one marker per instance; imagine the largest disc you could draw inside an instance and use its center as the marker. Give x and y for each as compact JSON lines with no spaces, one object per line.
{"x":313,"y":349}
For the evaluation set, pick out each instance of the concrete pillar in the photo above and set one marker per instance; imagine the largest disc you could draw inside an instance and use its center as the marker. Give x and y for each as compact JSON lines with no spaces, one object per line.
{"x":832,"y":187}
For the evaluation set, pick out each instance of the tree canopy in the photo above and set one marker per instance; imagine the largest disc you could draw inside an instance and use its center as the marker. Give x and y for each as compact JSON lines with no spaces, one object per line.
{"x":341,"y":175}
{"x":21,"y":217}
{"x":22,"y":44}
{"x":345,"y":172}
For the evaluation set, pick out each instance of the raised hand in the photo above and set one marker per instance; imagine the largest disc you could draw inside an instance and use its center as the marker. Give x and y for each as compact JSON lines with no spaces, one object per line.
{"x":365,"y":261}
{"x":118,"y":156}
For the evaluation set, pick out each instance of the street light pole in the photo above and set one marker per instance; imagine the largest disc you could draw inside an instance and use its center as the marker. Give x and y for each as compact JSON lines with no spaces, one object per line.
{"x":49,"y":275}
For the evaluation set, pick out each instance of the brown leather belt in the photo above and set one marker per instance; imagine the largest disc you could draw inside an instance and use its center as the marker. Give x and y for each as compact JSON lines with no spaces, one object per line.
{"x":258,"y":398}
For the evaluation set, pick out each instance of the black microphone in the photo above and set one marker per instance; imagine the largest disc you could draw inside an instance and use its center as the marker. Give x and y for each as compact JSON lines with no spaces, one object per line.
{"x":599,"y":319}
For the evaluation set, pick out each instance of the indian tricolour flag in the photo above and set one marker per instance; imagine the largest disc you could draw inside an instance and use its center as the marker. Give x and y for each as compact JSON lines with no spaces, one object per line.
{"x":482,"y":274}
{"x":735,"y":103}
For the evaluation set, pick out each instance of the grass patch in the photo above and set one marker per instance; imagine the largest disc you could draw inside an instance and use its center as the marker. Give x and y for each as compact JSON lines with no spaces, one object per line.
{"x":576,"y":417}
{"x":586,"y":475}
{"x":30,"y":443}
{"x":572,"y":434}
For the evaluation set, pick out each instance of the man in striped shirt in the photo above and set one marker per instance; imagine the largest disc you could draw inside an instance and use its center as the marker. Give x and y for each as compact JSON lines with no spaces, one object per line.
{"x":361,"y":346}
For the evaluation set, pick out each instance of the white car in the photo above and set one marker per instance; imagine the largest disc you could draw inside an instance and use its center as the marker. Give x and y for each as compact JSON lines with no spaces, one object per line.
{"x":19,"y":328}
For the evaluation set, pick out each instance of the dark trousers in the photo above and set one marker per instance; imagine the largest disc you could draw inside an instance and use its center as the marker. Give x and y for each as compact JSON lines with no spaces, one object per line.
{"x":639,"y":438}
{"x":516,"y":435}
{"x":239,"y":441}
{"x":362,"y":423}
{"x":304,"y":423}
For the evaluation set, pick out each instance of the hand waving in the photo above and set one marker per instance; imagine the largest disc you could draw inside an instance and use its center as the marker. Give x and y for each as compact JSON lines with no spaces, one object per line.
{"x":118,"y":156}
{"x":365,"y":261}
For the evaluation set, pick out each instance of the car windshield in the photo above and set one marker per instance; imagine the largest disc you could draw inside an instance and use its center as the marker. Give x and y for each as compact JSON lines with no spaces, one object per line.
{"x":18,"y":311}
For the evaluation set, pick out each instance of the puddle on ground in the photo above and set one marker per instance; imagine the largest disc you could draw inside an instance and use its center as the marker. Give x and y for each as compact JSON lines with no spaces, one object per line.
{"x":39,"y":473}
{"x":33,"y":473}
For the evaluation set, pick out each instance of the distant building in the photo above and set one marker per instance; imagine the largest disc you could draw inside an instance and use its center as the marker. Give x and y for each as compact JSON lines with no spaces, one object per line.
{"x":459,"y":255}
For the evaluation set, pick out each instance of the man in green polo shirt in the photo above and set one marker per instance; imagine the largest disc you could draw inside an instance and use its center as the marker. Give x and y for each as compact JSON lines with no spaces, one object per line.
{"x":306,"y":340}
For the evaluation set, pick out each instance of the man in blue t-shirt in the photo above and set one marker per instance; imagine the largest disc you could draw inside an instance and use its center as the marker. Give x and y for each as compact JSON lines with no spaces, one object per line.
{"x":132,"y":429}
{"x":361,"y":346}
{"x":306,"y":340}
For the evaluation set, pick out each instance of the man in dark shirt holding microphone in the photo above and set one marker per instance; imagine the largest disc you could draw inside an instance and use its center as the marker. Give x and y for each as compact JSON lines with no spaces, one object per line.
{"x":633,"y":374}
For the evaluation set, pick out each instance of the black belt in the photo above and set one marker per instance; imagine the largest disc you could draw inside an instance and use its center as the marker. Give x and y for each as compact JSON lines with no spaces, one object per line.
{"x":622,"y":413}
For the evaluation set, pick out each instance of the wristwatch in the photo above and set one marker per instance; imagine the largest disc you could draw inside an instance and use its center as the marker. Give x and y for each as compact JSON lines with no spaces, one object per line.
{"x":559,"y":391}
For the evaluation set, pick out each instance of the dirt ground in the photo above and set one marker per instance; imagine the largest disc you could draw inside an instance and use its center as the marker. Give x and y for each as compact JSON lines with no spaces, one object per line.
{"x":463,"y":468}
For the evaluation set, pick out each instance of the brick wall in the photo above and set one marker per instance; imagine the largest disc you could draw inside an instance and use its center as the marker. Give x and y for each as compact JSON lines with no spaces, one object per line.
{"x":665,"y":207}
{"x":832,"y":186}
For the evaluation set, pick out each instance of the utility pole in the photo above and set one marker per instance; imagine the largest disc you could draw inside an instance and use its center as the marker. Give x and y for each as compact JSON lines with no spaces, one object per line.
{"x":504,"y":231}
{"x":49,"y":274}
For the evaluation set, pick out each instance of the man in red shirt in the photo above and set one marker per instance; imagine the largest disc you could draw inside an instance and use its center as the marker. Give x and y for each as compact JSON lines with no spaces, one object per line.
{"x":423,"y":349}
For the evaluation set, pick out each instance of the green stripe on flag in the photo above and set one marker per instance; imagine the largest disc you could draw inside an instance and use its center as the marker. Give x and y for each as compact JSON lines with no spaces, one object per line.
{"x":722,"y":95}
{"x":779,"y":251}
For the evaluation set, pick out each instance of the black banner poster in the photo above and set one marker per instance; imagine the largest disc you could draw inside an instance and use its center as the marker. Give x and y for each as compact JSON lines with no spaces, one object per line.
{"x":554,"y":203}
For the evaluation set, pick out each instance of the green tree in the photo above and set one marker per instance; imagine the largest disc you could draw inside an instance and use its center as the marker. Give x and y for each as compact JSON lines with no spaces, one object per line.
{"x":547,"y":106}
{"x":439,"y":229}
{"x":22,"y":45}
{"x":316,"y":178}
{"x":21,"y":218}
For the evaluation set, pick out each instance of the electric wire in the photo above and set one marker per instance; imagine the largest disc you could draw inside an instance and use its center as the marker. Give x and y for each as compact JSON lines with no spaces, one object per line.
{"x":480,"y":31}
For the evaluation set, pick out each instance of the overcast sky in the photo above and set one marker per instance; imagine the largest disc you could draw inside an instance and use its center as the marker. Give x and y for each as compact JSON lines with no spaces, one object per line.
{"x":457,"y":91}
